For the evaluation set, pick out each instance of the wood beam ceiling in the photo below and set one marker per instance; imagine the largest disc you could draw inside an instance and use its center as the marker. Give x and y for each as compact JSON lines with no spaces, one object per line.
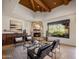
{"x":33,"y":5}
{"x":43,"y":5}
{"x":66,"y":2}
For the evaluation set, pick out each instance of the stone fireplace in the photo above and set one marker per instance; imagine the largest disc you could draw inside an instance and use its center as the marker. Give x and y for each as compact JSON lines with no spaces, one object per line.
{"x":36,"y":28}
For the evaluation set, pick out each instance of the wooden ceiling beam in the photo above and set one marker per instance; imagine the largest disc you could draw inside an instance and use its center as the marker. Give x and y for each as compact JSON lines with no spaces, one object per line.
{"x":42,"y":5}
{"x":32,"y":2}
{"x":66,"y":2}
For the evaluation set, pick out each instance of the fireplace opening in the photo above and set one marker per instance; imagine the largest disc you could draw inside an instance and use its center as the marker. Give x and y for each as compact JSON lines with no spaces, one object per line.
{"x":37,"y":34}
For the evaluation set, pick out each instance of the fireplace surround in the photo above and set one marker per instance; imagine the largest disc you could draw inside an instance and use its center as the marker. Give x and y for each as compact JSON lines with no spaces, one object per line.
{"x":36,"y":28}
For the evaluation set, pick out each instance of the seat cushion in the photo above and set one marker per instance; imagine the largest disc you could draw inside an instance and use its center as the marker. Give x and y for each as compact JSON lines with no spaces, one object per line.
{"x":36,"y":50}
{"x":18,"y":39}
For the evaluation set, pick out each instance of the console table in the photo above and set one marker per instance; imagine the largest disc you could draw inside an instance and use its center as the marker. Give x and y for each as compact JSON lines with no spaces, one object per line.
{"x":8,"y":38}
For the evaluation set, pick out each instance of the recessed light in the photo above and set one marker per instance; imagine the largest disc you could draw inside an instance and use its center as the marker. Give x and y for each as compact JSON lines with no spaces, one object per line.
{"x":38,"y":6}
{"x":55,"y":3}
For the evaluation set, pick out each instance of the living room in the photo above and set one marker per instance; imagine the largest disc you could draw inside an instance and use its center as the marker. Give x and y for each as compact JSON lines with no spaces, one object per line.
{"x":41,"y":25}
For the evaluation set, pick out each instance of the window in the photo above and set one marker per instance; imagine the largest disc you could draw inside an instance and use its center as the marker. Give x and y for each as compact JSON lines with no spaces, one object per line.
{"x":59,"y":29}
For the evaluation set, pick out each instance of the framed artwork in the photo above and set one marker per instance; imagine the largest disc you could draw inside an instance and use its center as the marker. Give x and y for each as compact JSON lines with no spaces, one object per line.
{"x":15,"y":26}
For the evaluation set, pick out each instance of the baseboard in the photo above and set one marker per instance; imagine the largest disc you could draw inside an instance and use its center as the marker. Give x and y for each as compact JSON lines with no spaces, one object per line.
{"x":67,"y":45}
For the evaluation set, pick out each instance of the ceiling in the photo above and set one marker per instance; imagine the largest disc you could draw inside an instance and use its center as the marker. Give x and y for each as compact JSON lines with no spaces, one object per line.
{"x":12,"y":8}
{"x":43,"y":5}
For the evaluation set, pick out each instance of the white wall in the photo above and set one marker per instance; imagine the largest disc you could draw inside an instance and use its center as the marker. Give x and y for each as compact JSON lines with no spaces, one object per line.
{"x":6,"y":23}
{"x":62,"y":10}
{"x":72,"y":39}
{"x":22,"y":12}
{"x":14,"y":9}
